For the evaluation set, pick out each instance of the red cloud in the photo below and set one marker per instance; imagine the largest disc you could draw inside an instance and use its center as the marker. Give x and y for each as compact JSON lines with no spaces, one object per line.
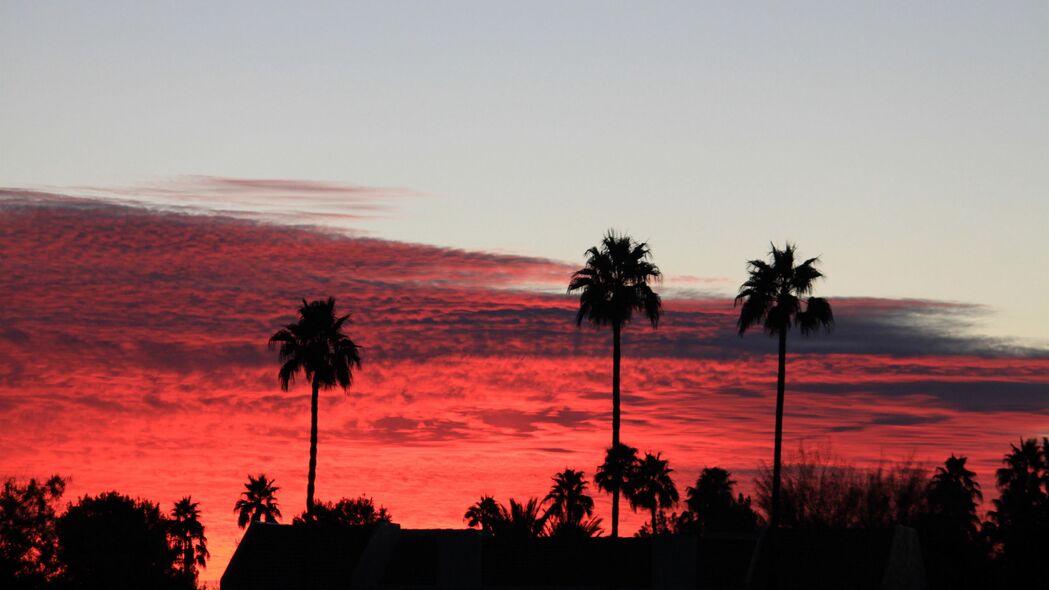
{"x":134,"y":357}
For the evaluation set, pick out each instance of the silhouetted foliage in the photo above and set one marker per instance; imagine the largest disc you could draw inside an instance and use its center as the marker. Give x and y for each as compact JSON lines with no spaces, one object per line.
{"x":615,"y":472}
{"x":613,"y":284}
{"x":347,"y":511}
{"x":712,"y":507}
{"x":649,"y":486}
{"x":1019,"y":523}
{"x":485,"y":513}
{"x":825,"y":492}
{"x":258,"y":501}
{"x":568,"y":498}
{"x":187,"y":536}
{"x":772,"y":297}
{"x":955,"y":554}
{"x":521,"y":521}
{"x":115,"y":543}
{"x":570,"y":505}
{"x":28,"y":541}
{"x":316,"y":346}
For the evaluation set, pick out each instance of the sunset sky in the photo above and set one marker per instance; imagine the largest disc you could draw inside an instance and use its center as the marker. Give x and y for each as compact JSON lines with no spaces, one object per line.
{"x":173,"y":181}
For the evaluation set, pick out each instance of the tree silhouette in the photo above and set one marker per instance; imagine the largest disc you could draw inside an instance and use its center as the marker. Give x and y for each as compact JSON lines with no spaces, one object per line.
{"x":316,"y":346}
{"x":485,"y":513}
{"x":615,"y":473}
{"x":612,"y":285}
{"x":347,"y":511}
{"x":651,"y":487}
{"x":955,"y":555}
{"x":112,"y":542}
{"x":712,"y":507}
{"x":569,"y":500}
{"x":953,"y":495}
{"x":1019,"y":523}
{"x":772,"y":297}
{"x":187,"y":533}
{"x":259,"y":501}
{"x":521,"y":522}
{"x":28,"y":541}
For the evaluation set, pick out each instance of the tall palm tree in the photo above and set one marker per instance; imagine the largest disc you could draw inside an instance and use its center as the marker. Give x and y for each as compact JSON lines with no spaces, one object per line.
{"x":615,"y":474}
{"x":485,"y":513}
{"x":188,"y":534}
{"x":772,"y":298}
{"x":259,"y":501}
{"x":569,"y":500}
{"x":316,"y":346}
{"x":651,"y":486}
{"x":613,"y":284}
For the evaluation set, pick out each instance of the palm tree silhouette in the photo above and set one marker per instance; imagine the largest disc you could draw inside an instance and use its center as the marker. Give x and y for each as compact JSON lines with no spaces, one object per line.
{"x":651,"y":486}
{"x":612,"y":285}
{"x":485,"y":513}
{"x":259,"y":502}
{"x":1020,"y":518}
{"x":569,"y":500}
{"x":771,"y":297}
{"x":711,"y":506}
{"x":317,"y":346}
{"x":954,"y":495}
{"x":521,"y":521}
{"x":615,"y":474}
{"x":188,"y":534}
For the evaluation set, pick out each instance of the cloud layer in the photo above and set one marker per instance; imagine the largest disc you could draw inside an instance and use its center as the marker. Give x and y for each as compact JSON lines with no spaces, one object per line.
{"x":134,"y":357}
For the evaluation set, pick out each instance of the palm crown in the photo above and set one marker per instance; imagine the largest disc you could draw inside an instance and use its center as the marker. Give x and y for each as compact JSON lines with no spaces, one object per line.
{"x":615,"y":282}
{"x":569,"y":500}
{"x":651,"y":486}
{"x":772,"y":295}
{"x":188,"y":533}
{"x":317,"y":346}
{"x":259,"y":501}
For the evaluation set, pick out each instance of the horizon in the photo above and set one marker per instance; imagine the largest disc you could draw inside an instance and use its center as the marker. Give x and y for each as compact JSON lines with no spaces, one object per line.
{"x":174,"y":181}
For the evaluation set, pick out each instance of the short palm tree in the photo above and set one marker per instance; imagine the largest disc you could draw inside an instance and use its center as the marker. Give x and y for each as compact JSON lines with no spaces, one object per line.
{"x":614,"y":283}
{"x":485,"y":513}
{"x":568,"y":498}
{"x":954,"y":496}
{"x":615,"y":474}
{"x":522,"y":521}
{"x":187,"y":532}
{"x":651,"y":486}
{"x":316,"y":346}
{"x":772,"y":298}
{"x":259,"y":501}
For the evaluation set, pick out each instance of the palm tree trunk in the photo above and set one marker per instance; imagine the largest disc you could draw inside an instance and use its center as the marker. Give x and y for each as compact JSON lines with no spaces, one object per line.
{"x":312,"y":476}
{"x":616,"y":352}
{"x":653,"y":521}
{"x":778,"y":449}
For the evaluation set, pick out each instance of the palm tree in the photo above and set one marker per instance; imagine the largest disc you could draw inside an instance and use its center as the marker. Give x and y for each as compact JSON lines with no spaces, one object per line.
{"x":614,"y":474}
{"x":521,"y":521}
{"x":317,"y":346}
{"x":612,"y":285}
{"x":569,"y":500}
{"x":259,"y":502}
{"x":485,"y":513}
{"x":771,"y":297}
{"x":188,"y":534}
{"x":1020,"y":517}
{"x":711,"y":506}
{"x":651,"y":486}
{"x":954,"y":495}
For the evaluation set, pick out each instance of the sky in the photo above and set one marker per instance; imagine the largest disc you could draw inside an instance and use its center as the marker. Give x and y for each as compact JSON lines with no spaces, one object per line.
{"x":174,"y":178}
